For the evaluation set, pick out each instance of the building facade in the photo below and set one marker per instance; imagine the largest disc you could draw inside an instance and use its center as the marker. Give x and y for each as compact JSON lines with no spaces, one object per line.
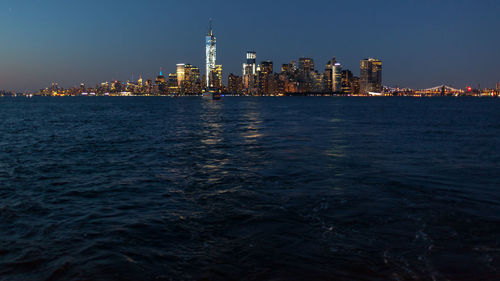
{"x":211,"y":52}
{"x":370,"y":76}
{"x":234,"y":84}
{"x":250,"y":69}
{"x":181,"y":74}
{"x":337,"y":78}
{"x":192,"y":83}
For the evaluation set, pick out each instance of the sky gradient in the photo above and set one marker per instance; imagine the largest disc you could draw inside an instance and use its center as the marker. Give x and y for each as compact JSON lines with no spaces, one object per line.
{"x":422,"y":43}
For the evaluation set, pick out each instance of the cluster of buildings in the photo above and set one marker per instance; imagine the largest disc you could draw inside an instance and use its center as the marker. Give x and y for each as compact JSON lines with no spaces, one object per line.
{"x":295,"y":78}
{"x":298,"y":77}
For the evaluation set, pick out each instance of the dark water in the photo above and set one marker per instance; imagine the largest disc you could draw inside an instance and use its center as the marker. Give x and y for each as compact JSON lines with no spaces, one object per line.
{"x":249,"y":189}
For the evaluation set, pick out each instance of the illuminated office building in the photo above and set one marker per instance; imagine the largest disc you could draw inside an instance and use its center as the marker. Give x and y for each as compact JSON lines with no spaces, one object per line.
{"x":317,"y":81}
{"x":116,"y":86}
{"x":105,"y":86}
{"x":160,"y":83}
{"x":160,"y":78}
{"x":377,"y":75}
{"x":347,"y":82}
{"x":250,"y":67}
{"x":266,"y":67}
{"x":370,"y":76}
{"x":181,"y":73}
{"x":305,"y":75}
{"x":306,"y":65}
{"x":328,"y":76}
{"x":217,"y":77}
{"x":337,"y":77}
{"x":355,"y":85}
{"x":54,"y":87}
{"x":288,"y":69}
{"x":234,"y":84}
{"x":210,"y":51}
{"x":172,"y":85}
{"x":264,"y":77}
{"x":191,"y":83}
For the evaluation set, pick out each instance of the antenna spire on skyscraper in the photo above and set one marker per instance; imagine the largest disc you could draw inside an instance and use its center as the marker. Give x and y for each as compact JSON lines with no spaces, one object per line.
{"x":210,"y":51}
{"x":210,"y":32}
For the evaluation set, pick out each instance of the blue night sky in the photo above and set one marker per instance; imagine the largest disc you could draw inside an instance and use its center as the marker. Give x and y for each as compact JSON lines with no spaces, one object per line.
{"x":422,"y":43}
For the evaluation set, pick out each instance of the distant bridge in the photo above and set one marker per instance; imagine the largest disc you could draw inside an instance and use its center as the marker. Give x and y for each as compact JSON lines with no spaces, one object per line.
{"x":440,"y":89}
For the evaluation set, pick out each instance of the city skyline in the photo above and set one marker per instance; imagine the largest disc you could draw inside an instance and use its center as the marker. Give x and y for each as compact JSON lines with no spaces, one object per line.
{"x":422,"y":44}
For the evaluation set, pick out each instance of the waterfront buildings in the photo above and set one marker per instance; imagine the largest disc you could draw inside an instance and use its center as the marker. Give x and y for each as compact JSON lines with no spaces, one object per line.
{"x":370,"y":76}
{"x":298,"y":77}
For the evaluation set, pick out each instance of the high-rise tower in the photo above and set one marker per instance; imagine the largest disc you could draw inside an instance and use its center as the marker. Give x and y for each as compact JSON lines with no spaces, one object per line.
{"x":210,"y":48}
{"x":337,"y":77}
{"x":250,"y":67}
{"x":181,"y":73}
{"x":370,"y":76}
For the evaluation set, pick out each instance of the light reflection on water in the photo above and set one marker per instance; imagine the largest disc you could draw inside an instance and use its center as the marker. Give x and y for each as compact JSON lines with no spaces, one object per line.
{"x":249,"y":189}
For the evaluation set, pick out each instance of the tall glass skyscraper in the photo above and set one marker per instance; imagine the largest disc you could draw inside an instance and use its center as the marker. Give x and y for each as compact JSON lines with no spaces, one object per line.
{"x":250,"y":67}
{"x":210,"y":48}
{"x":370,"y":76}
{"x":337,"y":77}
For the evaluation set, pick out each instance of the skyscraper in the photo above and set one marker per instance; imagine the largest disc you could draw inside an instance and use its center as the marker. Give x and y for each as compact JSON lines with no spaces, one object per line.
{"x":210,"y":50}
{"x":160,"y":78}
{"x":217,"y":77}
{"x":172,"y":86}
{"x":266,"y":67}
{"x":160,"y":83}
{"x":191,"y":83}
{"x":234,"y":84}
{"x":181,"y":73}
{"x":370,"y":76}
{"x":250,"y":67}
{"x":347,"y":82}
{"x":337,"y":77}
{"x":328,"y":77}
{"x":287,"y":68}
{"x":265,"y":76}
{"x":306,"y":65}
{"x":250,"y":73}
{"x":306,"y":75}
{"x":377,"y":76}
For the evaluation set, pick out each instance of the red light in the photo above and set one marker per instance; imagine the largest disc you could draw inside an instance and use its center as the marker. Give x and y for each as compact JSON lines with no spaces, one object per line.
{"x":469,"y":89}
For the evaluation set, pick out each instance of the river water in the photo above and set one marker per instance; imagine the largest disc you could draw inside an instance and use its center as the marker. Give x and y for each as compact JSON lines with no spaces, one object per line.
{"x":296,"y":188}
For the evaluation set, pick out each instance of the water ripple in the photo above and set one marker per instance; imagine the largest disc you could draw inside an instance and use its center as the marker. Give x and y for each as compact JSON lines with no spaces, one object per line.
{"x":249,"y":189}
